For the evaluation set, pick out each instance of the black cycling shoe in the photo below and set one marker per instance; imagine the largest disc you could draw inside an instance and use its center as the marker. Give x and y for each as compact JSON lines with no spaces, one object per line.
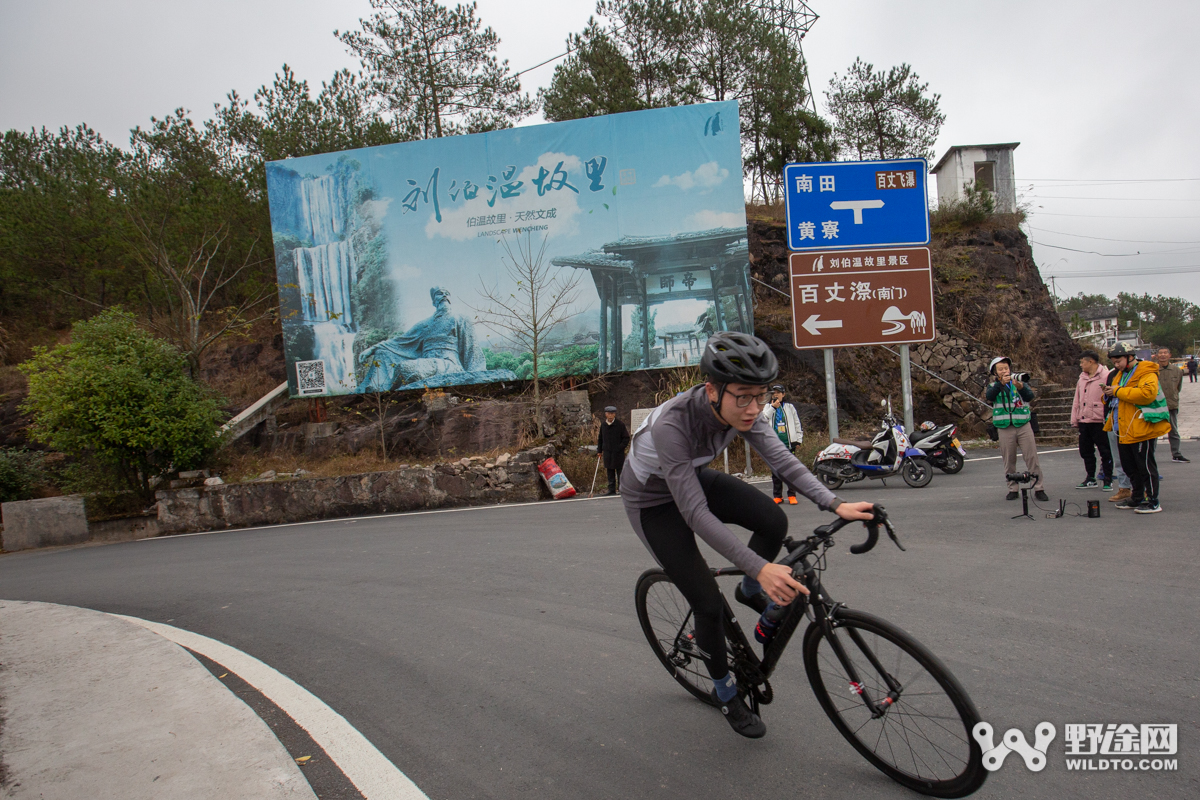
{"x":758,"y":601}
{"x":741,"y":719}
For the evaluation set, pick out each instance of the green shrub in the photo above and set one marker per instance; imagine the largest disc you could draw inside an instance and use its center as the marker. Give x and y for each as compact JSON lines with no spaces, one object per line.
{"x":21,"y":472}
{"x":120,"y":398}
{"x":976,"y":206}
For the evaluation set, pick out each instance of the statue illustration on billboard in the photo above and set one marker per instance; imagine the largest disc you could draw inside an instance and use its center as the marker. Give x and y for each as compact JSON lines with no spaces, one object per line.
{"x":438,"y":346}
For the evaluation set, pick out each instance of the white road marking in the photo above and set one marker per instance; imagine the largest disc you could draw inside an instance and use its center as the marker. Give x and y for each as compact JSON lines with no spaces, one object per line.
{"x":1040,"y":453}
{"x":366,"y":767}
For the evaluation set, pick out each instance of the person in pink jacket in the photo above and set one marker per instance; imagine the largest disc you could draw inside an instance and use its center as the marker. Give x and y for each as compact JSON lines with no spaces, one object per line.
{"x":1087,"y":415}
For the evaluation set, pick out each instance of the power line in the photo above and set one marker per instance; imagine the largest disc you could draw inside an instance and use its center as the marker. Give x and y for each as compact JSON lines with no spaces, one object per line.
{"x":1113,"y":180}
{"x":1116,"y":255}
{"x":1105,"y":216}
{"x":1105,"y":239}
{"x":1076,"y":197}
{"x":544,"y":63}
{"x":557,"y":57}
{"x":1117,"y":273}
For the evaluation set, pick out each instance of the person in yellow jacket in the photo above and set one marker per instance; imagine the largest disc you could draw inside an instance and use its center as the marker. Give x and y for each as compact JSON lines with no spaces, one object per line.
{"x":1141,"y":418}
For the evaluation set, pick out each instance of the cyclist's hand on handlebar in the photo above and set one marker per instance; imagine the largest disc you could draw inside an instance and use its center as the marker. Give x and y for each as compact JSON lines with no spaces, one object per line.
{"x":778,"y":583}
{"x":854,"y":511}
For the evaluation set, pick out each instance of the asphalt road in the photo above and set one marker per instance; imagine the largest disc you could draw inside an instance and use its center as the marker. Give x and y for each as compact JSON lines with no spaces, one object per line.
{"x":495,"y":653}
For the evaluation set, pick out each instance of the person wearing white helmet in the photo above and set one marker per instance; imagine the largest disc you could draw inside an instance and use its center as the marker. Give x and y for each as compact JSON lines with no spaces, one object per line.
{"x":1011,"y":415}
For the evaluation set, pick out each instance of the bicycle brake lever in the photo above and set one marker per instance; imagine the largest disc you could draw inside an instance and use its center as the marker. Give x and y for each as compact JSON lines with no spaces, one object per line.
{"x":892,"y":534}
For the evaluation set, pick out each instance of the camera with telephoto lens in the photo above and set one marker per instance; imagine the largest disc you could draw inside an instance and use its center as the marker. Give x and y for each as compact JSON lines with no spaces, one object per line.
{"x":1023,"y":377}
{"x":1021,"y":477}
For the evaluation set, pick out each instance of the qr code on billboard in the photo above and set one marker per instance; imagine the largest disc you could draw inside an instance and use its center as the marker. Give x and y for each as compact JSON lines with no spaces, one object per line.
{"x":310,"y":375}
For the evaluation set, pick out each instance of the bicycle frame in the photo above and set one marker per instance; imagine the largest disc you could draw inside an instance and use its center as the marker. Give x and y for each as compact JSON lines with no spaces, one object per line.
{"x":820,"y":609}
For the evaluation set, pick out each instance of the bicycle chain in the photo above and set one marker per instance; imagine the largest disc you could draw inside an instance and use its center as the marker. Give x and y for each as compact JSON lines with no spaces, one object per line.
{"x":763,"y":694}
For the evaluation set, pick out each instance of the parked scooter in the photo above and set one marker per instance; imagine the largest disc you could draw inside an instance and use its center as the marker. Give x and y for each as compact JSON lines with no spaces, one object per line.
{"x":941,"y":446}
{"x":889,"y":453}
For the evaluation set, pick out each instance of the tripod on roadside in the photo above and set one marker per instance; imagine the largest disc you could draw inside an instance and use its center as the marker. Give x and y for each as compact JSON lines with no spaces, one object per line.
{"x":1027,"y":479}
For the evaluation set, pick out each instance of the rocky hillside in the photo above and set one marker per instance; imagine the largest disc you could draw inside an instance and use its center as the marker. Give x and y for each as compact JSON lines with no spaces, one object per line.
{"x":990,"y":300}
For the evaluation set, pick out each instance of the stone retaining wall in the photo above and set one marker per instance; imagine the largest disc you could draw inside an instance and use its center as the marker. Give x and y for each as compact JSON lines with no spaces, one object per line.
{"x":47,"y":522}
{"x":469,"y":481}
{"x":961,"y":360}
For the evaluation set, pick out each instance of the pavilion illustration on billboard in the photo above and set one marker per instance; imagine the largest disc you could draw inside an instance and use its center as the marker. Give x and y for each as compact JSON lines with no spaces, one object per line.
{"x":384,"y":254}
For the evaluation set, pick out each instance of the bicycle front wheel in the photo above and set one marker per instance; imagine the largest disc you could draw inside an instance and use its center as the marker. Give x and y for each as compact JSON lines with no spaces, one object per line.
{"x":896,"y":703}
{"x":669,"y":625}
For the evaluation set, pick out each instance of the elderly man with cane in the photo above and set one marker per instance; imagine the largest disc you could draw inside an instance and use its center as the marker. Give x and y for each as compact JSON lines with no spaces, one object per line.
{"x":610,"y":445}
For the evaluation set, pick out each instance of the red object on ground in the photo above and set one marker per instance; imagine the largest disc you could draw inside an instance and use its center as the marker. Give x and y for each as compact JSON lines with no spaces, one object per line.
{"x":555,"y":480}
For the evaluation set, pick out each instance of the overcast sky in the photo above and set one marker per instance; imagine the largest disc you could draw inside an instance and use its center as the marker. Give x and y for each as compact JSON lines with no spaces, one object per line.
{"x":1102,"y":96}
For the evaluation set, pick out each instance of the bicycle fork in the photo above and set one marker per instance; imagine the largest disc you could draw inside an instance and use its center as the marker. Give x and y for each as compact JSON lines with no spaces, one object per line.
{"x":880,"y":707}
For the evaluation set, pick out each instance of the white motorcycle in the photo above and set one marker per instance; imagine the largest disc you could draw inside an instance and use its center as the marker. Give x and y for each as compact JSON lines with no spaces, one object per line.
{"x":887,"y":454}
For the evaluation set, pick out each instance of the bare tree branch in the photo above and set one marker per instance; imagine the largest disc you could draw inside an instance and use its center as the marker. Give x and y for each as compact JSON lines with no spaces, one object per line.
{"x":540,"y":302}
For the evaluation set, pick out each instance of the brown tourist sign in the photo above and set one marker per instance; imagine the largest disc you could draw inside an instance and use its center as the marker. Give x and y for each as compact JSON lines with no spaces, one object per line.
{"x":851,"y":298}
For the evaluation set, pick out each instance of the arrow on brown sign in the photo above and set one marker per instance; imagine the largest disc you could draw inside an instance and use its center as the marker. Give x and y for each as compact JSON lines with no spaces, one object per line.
{"x":813,"y":324}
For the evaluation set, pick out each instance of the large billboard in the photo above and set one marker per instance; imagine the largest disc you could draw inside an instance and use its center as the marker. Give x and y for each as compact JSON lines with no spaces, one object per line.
{"x":390,"y":259}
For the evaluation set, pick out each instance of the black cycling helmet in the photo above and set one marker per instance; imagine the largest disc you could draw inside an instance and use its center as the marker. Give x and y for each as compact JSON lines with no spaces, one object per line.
{"x":1121,"y":349}
{"x":778,"y":387}
{"x":733,"y":357}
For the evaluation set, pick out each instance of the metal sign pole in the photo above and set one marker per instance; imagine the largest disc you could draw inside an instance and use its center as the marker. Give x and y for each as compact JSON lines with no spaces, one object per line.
{"x":726,"y":452}
{"x":749,"y":470}
{"x":831,"y":394}
{"x":906,"y":388}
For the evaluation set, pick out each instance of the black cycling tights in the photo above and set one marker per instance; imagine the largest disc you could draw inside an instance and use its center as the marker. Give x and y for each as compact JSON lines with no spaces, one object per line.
{"x":674,"y":545}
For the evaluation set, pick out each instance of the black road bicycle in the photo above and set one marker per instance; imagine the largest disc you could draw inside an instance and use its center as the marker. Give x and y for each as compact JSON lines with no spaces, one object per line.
{"x":893,"y":700}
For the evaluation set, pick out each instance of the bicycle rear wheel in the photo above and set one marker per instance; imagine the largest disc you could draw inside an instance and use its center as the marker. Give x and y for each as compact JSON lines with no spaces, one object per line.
{"x":667,"y":620}
{"x":919,"y":731}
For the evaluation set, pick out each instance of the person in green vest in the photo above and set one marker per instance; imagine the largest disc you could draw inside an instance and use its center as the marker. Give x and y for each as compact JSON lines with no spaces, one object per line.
{"x":1011,"y":414}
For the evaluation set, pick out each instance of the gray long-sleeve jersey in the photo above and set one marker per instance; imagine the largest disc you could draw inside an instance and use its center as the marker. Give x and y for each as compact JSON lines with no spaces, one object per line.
{"x":679,"y":438}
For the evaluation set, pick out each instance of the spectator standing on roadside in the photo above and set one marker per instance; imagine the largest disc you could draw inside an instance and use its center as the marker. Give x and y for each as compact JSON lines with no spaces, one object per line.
{"x":1087,"y":416}
{"x":1124,"y":485}
{"x":1011,"y":414}
{"x":1171,"y":380}
{"x":1141,"y":418}
{"x":610,"y":445}
{"x":786,"y":423}
{"x":1193,"y":366}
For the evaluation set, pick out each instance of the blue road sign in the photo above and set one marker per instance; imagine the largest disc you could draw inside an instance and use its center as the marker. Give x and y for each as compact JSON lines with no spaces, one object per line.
{"x":850,"y":204}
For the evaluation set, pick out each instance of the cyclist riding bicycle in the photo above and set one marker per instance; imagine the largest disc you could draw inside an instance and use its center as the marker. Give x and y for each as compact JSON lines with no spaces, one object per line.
{"x":671,"y":496}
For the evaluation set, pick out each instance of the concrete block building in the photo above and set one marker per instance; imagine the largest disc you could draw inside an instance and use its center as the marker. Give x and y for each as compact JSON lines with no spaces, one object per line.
{"x":987,"y":165}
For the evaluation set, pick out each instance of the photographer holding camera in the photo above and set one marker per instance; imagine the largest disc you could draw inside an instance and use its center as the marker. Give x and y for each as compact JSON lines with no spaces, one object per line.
{"x":1010,"y":397}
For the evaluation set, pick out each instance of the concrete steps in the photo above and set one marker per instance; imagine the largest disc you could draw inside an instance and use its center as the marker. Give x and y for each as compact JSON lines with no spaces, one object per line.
{"x":1053,"y":403}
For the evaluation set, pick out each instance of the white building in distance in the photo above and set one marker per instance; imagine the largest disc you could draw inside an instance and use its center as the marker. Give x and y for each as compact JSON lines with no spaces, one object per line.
{"x":989,"y":166}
